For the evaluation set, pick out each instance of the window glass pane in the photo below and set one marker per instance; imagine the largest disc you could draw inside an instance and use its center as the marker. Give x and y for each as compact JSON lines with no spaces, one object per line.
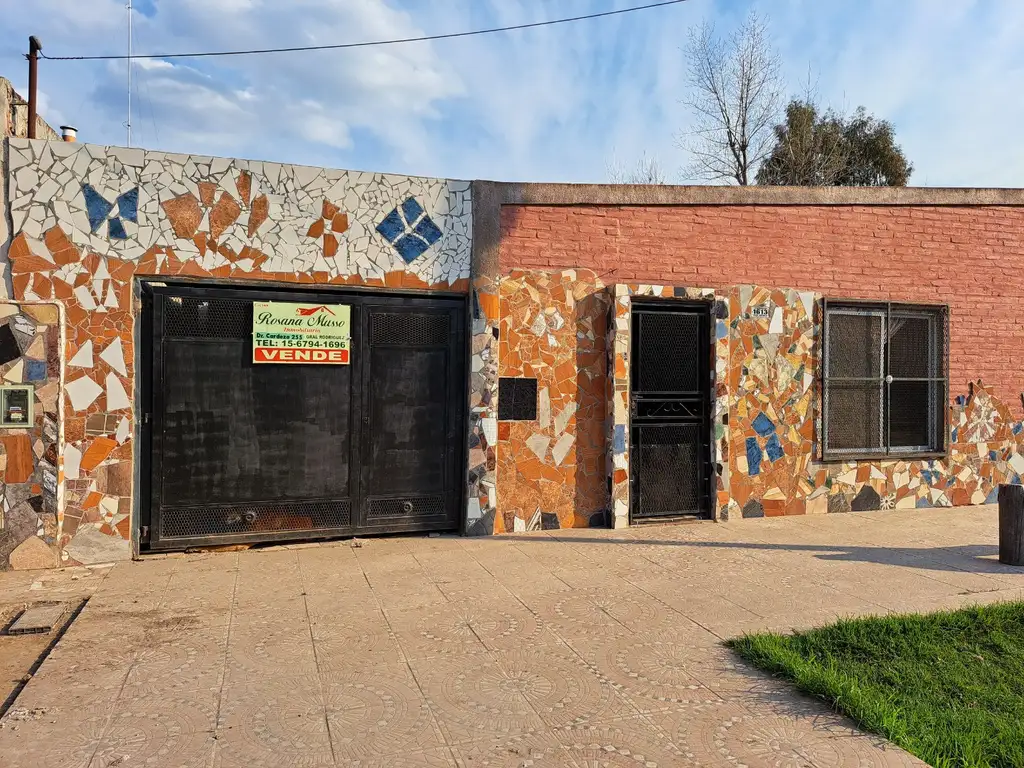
{"x":853,"y":413}
{"x":854,"y":343}
{"x":913,"y":346}
{"x":914,"y":415}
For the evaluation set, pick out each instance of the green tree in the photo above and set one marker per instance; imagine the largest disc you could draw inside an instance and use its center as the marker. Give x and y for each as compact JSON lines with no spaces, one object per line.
{"x":831,"y":149}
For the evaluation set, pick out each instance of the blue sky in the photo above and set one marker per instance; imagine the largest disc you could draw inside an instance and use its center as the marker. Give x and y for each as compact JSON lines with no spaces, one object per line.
{"x":561,"y":103}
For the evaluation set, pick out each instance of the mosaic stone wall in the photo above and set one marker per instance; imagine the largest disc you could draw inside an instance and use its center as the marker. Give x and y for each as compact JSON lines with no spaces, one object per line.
{"x":30,"y":345}
{"x":481,"y":492}
{"x":775,"y":417}
{"x":87,"y":220}
{"x":552,"y":470}
{"x":618,"y":392}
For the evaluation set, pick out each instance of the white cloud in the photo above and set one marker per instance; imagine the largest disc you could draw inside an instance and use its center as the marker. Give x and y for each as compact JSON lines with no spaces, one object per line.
{"x":554,"y":103}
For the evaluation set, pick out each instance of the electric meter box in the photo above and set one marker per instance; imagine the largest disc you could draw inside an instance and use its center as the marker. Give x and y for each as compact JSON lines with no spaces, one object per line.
{"x":16,"y":405}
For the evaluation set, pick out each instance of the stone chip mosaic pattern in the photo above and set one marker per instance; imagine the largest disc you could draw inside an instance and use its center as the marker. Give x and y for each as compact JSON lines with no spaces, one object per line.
{"x":30,"y":474}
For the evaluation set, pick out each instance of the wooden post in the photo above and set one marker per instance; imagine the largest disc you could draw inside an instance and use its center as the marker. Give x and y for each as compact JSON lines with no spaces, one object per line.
{"x":1011,"y":524}
{"x":34,"y":47}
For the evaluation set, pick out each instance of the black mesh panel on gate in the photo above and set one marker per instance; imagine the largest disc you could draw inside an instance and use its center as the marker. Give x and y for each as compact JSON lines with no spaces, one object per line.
{"x":185,"y":522}
{"x":667,"y":352}
{"x":665,"y":463}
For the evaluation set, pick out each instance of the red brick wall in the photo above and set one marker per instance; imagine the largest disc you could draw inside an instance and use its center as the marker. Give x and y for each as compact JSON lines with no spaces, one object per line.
{"x":971,"y":258}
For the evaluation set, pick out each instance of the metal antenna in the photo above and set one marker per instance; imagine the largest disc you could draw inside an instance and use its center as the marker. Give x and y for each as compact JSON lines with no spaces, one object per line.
{"x":128,"y":124}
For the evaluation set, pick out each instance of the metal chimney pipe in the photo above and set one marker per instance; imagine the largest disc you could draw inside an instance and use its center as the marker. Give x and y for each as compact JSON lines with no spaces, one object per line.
{"x":34,"y":47}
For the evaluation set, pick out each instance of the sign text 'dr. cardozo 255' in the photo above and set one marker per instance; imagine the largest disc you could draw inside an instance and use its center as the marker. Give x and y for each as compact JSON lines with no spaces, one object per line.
{"x":285,"y":332}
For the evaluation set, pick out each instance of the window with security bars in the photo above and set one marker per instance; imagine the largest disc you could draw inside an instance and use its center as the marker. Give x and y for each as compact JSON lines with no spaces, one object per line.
{"x":884,"y":380}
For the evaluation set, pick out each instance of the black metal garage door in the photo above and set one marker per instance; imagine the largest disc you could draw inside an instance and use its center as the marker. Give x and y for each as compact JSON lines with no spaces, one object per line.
{"x":242,"y":452}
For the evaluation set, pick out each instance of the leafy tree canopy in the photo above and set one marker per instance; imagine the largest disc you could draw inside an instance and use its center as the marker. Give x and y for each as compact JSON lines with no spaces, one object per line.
{"x":832,"y":149}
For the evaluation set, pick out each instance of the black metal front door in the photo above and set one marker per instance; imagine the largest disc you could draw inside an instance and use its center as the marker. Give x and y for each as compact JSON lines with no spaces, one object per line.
{"x":670,"y":402}
{"x":242,"y":452}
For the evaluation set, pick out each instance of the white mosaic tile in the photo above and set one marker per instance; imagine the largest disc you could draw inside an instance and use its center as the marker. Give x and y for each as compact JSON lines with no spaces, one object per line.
{"x":82,"y":392}
{"x":113,"y":356}
{"x":117,"y":398}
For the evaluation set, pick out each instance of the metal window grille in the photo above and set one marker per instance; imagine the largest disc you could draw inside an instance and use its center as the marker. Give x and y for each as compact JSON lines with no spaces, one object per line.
{"x":885,"y":380}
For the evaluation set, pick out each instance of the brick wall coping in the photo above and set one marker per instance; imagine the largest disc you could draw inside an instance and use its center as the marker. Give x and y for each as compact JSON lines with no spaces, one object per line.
{"x":490,"y":196}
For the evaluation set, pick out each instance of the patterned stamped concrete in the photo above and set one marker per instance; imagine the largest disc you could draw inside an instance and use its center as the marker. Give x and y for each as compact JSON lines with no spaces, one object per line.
{"x":578,"y":648}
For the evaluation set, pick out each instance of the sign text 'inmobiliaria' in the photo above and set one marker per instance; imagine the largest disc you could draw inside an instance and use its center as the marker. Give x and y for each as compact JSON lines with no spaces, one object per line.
{"x":284,"y":332}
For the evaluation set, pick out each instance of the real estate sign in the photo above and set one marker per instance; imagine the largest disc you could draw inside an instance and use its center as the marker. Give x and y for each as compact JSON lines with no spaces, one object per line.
{"x":284,"y":332}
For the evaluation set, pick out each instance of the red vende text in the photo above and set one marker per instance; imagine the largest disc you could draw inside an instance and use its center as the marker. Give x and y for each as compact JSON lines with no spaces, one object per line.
{"x":292,"y":355}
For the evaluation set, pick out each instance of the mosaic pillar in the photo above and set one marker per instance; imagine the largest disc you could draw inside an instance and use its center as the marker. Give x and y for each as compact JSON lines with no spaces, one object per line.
{"x":481,"y":491}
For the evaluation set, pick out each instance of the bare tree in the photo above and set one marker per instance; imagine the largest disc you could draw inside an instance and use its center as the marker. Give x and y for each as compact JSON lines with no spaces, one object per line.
{"x":736,"y":94}
{"x":646,"y":171}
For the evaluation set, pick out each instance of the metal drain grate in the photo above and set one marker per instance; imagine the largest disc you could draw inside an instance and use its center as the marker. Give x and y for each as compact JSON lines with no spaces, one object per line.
{"x":38,"y":620}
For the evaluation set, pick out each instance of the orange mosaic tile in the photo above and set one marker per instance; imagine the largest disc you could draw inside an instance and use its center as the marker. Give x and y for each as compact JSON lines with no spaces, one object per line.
{"x":97,"y":452}
{"x":184,"y":214}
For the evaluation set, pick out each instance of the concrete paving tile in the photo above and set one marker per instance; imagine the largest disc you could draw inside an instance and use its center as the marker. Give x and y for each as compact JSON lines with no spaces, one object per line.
{"x":561,"y":688}
{"x":273,"y":721}
{"x":59,"y":688}
{"x":430,"y":758}
{"x":444,"y":630}
{"x":537,"y":750}
{"x":51,"y":737}
{"x":350,"y":643}
{"x":652,"y":673}
{"x":269,"y":648}
{"x":192,"y":659}
{"x":378,"y":712}
{"x":726,"y":734}
{"x":291,"y":608}
{"x":473,"y":698}
{"x":620,"y":743}
{"x":167,"y":730}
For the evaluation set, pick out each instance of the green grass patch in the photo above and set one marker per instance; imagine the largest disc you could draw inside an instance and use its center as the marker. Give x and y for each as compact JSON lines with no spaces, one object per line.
{"x":947,"y":687}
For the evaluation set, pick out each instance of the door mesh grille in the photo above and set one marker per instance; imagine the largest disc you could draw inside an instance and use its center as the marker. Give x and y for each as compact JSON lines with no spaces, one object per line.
{"x":409,"y":330}
{"x":187,"y":522}
{"x":187,"y":317}
{"x":410,"y":508}
{"x":666,"y":460}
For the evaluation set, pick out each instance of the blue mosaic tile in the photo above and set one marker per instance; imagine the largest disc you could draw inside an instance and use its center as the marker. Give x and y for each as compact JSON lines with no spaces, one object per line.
{"x":921,"y":503}
{"x":116,"y":229}
{"x":35,"y":370}
{"x":428,"y":230}
{"x":619,"y":439}
{"x":410,"y":248}
{"x":410,"y":230}
{"x":128,"y":205}
{"x":412,"y":210}
{"x":721,"y":329}
{"x":96,"y":206}
{"x":774,"y":448}
{"x":392,"y":226}
{"x":993,"y":456}
{"x":1017,"y":428}
{"x":753,"y":457}
{"x":763,"y":425}
{"x":993,"y":496}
